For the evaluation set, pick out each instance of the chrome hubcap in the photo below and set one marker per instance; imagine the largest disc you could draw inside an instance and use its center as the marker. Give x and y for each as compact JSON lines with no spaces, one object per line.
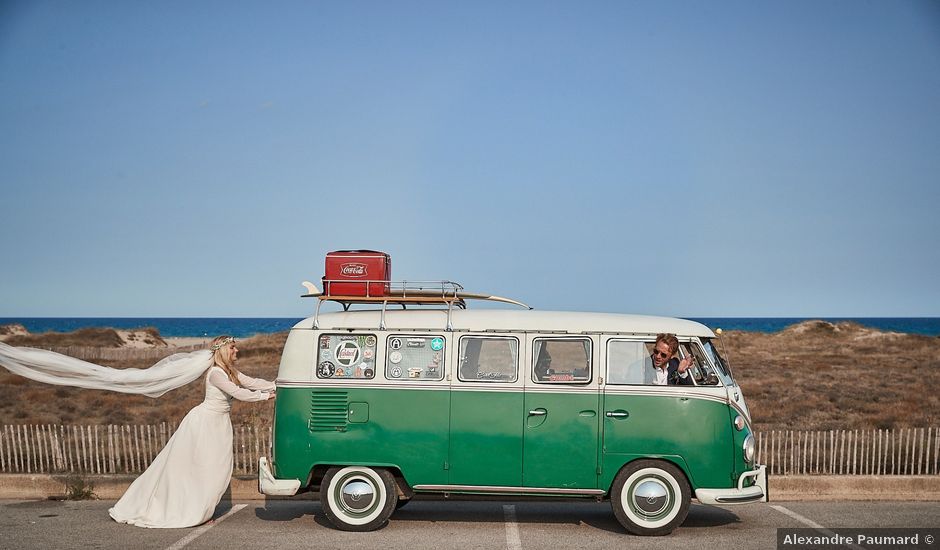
{"x":358,"y":496}
{"x":650,"y":497}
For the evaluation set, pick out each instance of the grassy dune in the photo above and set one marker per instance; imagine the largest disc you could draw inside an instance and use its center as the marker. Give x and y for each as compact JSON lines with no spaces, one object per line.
{"x":814,"y":375}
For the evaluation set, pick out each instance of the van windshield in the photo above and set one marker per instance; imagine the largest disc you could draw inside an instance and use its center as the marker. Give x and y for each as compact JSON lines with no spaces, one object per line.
{"x":724,"y":369}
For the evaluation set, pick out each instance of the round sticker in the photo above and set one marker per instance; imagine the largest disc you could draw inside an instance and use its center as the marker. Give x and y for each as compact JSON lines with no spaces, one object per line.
{"x":395,"y":343}
{"x":325,"y":369}
{"x":437,"y":344}
{"x":396,"y":372}
{"x":395,"y":357}
{"x":347,"y":353}
{"x":367,"y":354}
{"x":370,"y":341}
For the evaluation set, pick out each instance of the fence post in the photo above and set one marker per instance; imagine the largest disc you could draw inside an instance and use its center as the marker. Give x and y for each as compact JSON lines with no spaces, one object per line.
{"x":930,"y":464}
{"x":137,"y":456}
{"x":125,"y":448}
{"x":40,"y":449}
{"x":242,"y":446}
{"x":771,"y":458}
{"x":96,"y":446}
{"x":53,"y":448}
{"x":760,"y":447}
{"x":254,"y":459}
{"x":109,"y":457}
{"x":3,"y":456}
{"x":149,"y":446}
{"x":19,"y":452}
{"x":27,"y":449}
{"x":892,"y":451}
{"x":909,"y":453}
{"x":84,"y":461}
{"x":814,"y":452}
{"x":920,"y":453}
{"x":866,"y":461}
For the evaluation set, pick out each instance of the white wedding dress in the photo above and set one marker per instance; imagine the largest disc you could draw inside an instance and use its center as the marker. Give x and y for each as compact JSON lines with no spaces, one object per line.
{"x":185,"y":482}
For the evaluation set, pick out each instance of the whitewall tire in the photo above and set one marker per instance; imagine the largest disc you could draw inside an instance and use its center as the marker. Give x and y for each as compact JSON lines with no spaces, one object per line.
{"x":358,"y":498}
{"x":650,"y":497}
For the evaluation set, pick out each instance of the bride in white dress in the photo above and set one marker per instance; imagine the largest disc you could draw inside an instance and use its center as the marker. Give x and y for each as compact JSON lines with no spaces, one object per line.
{"x":185,"y":482}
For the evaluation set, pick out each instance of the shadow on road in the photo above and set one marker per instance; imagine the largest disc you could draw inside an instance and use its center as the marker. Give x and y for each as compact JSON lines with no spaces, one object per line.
{"x":429,"y":509}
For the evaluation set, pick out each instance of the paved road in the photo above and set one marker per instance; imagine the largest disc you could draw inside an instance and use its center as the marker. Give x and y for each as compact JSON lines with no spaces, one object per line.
{"x":284,"y":525}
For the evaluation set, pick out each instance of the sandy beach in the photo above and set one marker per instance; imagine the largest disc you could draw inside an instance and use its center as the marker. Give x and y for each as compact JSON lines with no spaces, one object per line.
{"x":179,"y":342}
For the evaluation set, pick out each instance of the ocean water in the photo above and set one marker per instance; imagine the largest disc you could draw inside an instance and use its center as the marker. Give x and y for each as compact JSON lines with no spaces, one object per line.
{"x":242,"y":327}
{"x":170,"y":327}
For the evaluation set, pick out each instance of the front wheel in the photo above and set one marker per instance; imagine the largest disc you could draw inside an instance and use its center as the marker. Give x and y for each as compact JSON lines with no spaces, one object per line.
{"x":650,"y":497}
{"x":357,"y":498}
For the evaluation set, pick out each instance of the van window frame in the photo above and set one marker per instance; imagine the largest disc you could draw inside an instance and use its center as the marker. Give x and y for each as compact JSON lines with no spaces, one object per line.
{"x":649,"y":339}
{"x":404,"y":336}
{"x":330,"y":334}
{"x":566,"y":338}
{"x":460,"y":350}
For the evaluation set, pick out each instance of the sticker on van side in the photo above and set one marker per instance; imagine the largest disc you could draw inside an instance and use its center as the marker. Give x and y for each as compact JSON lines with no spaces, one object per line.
{"x":415,"y":357}
{"x":346,"y":356}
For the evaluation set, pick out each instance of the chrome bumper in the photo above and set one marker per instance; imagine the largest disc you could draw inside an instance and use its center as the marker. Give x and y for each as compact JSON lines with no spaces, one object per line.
{"x":268,"y":485}
{"x":740,"y":494}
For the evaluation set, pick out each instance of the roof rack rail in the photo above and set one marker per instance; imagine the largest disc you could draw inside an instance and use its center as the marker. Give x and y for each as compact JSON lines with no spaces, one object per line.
{"x":403,"y":293}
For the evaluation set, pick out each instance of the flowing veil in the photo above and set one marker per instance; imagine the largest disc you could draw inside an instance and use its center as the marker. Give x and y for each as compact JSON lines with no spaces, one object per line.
{"x":54,"y":368}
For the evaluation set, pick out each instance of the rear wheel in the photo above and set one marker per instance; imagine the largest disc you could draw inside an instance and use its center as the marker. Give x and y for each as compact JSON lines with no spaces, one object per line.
{"x":650,"y":497}
{"x":358,"y":498}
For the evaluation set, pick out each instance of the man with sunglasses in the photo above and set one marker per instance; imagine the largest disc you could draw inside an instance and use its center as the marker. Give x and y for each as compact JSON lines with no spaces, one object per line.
{"x":668,"y":369}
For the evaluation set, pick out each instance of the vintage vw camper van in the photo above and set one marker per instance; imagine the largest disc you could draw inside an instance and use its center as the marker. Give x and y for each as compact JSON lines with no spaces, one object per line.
{"x":376,"y":406}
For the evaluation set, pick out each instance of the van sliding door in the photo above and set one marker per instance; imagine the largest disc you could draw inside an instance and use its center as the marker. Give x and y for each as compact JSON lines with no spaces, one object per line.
{"x":560,"y":414}
{"x":486,"y":406}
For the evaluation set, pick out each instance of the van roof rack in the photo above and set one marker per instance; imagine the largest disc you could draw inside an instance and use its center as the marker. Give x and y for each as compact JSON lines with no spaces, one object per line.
{"x":404,"y":293}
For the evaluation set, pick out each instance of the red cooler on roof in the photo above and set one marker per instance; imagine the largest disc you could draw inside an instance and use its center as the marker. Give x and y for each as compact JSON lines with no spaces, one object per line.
{"x":357,"y":273}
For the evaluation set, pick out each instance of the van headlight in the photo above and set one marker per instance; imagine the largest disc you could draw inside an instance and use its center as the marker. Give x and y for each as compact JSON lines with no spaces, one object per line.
{"x":749,"y":448}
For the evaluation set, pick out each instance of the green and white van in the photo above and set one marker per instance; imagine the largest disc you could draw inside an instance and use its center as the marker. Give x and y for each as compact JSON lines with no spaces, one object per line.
{"x":377,"y":406}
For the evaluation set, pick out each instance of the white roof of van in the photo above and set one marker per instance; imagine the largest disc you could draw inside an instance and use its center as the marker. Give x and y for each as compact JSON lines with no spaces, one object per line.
{"x":508,"y":320}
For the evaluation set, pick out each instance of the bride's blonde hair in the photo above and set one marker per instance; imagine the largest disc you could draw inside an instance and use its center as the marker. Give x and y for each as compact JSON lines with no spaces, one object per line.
{"x":222,"y":357}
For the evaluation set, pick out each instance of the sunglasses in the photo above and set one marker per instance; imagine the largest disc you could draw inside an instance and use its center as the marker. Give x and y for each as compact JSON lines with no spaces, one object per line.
{"x":657,"y":353}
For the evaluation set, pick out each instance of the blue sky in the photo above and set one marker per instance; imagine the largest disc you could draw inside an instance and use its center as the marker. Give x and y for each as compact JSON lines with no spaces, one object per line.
{"x":670,"y":158}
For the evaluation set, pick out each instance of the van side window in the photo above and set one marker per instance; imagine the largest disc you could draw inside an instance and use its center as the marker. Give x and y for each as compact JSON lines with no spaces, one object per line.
{"x":701,"y":372}
{"x":488,"y":359}
{"x":414,"y":357}
{"x":629,"y":362}
{"x":346,"y":356}
{"x":561,"y":360}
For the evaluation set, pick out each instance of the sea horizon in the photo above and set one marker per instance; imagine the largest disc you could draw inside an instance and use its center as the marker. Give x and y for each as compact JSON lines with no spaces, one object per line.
{"x":243,"y":327}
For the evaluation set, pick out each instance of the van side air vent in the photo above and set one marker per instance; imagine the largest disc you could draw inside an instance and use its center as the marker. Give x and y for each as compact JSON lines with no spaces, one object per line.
{"x":328,"y":411}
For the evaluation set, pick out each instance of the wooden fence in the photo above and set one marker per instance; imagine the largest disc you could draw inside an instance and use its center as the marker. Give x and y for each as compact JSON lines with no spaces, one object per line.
{"x":109,"y":449}
{"x":113,"y":449}
{"x":904,"y":451}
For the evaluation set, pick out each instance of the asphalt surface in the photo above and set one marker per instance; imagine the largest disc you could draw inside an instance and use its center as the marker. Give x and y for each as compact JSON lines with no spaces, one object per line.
{"x":436,"y":524}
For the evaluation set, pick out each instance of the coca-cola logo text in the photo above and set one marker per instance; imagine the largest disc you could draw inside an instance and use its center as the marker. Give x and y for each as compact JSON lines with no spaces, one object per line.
{"x":353,"y":270}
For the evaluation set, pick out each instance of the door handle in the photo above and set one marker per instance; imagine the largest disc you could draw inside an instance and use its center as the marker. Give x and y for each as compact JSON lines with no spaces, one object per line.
{"x":616,"y":414}
{"x":538,"y":412}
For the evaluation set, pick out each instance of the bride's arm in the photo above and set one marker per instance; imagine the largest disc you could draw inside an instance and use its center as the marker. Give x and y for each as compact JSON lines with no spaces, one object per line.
{"x":255,"y":383}
{"x":221,"y":381}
